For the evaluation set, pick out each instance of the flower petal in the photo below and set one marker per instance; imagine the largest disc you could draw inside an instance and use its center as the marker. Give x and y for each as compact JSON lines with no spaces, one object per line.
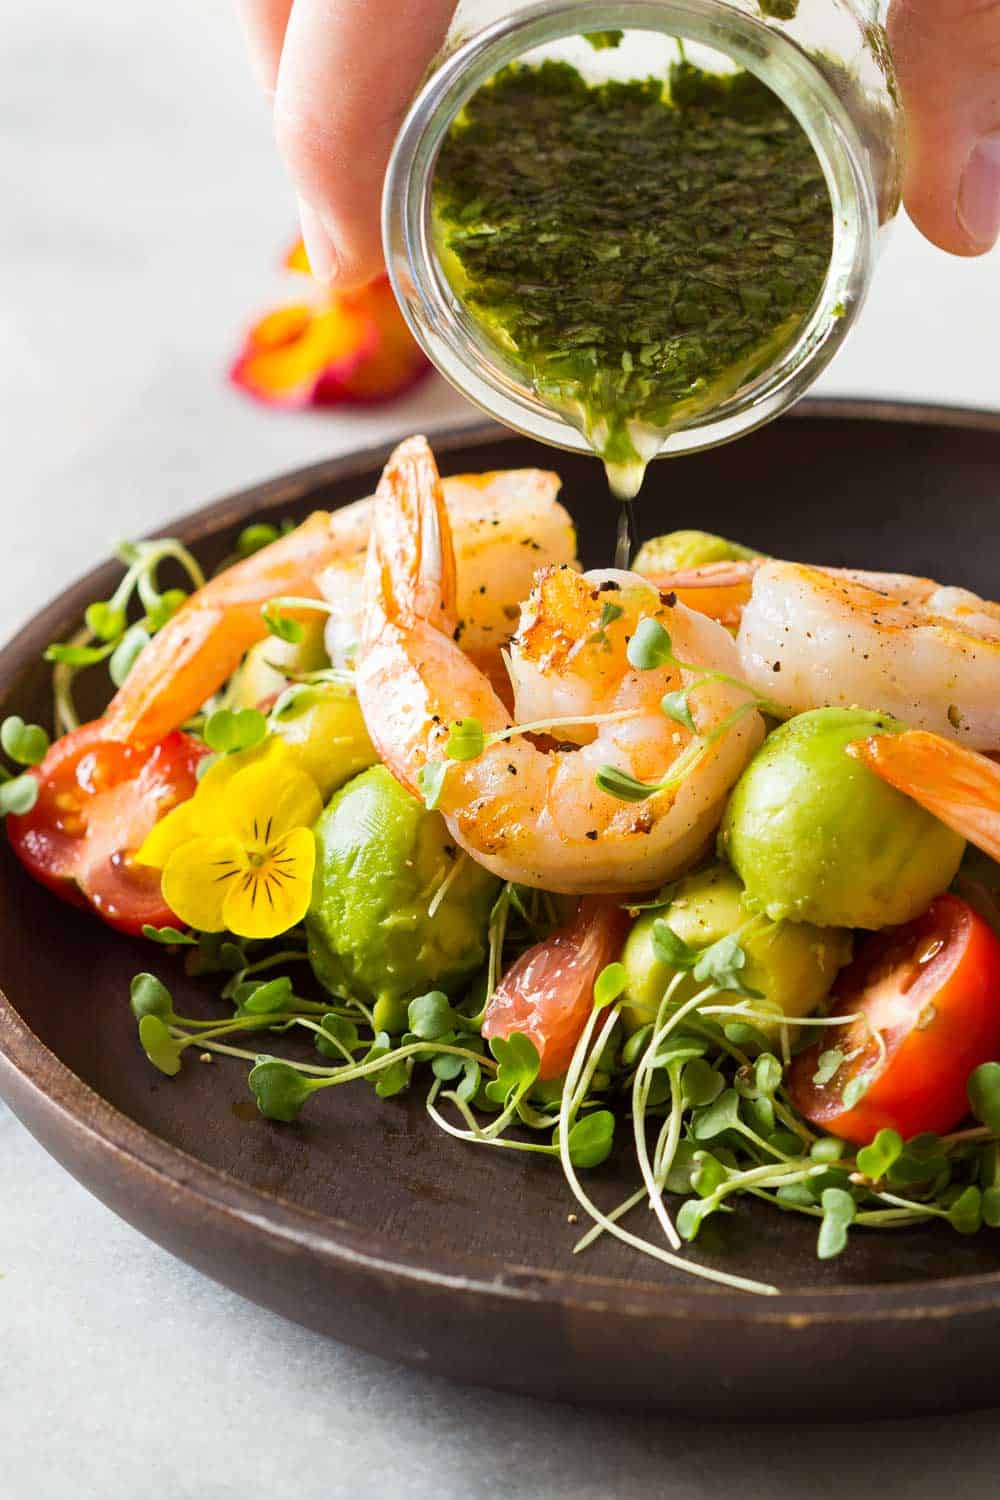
{"x":394,"y":365}
{"x":267,"y":801}
{"x":274,"y":896}
{"x":204,"y":815}
{"x":198,"y":876}
{"x":290,"y":351}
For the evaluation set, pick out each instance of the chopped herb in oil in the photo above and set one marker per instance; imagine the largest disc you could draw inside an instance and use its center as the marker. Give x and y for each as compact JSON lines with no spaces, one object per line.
{"x":640,"y":250}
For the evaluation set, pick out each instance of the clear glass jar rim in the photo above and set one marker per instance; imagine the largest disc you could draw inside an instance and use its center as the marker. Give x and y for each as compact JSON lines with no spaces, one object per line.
{"x":454,"y":343}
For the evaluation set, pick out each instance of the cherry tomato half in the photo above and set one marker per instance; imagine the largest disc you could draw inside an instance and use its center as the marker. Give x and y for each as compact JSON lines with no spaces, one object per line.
{"x":549,"y":992}
{"x":932,"y":990}
{"x":97,"y":801}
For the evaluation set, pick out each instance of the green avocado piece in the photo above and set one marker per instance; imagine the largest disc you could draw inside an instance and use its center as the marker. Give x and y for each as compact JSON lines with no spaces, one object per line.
{"x":688,"y":549}
{"x":792,"y":964}
{"x":817,"y":837}
{"x":381,"y":857}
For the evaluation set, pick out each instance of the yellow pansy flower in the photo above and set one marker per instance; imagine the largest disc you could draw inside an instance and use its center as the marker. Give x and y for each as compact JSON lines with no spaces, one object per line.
{"x":239,"y":855}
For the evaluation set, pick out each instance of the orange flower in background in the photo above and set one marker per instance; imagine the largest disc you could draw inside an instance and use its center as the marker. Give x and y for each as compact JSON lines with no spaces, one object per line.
{"x":337,"y":347}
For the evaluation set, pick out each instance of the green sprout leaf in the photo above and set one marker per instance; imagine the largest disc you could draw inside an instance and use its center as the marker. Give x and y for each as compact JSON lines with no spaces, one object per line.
{"x":670,"y":948}
{"x":229,"y":730}
{"x":827,"y":1149}
{"x":150,"y":997}
{"x":609,"y":614}
{"x":839,"y":1210}
{"x":466,"y":740}
{"x":431,"y":1017}
{"x":855,"y":1091}
{"x":983,"y":1089}
{"x":282,"y":626}
{"x":692,"y":1214}
{"x":723,"y":1115}
{"x":591,"y":1139}
{"x":609,"y":985}
{"x":169,"y":936}
{"x":392,"y":1080}
{"x":19,"y":795}
{"x":966,"y":1213}
{"x":518,"y":1063}
{"x":767,"y":1075}
{"x":991,"y":1207}
{"x":676,"y":706}
{"x":707,"y":1173}
{"x":163,"y":609}
{"x":875,"y":1159}
{"x":922,"y":1159}
{"x":105,"y":620}
{"x":650,"y":647}
{"x":621,"y":785}
{"x":77,"y":656}
{"x":280,"y":1089}
{"x":679,"y":1047}
{"x":26,"y":744}
{"x":721,"y":964}
{"x":253,"y":538}
{"x":446,"y":1067}
{"x":701,"y":1084}
{"x":430,"y":779}
{"x":127,"y":653}
{"x":827,"y":1065}
{"x":163,"y":1051}
{"x":344,"y":1031}
{"x":265,"y":999}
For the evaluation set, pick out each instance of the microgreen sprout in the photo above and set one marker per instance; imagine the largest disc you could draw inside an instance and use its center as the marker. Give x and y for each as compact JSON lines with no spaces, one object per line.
{"x":280,"y":623}
{"x":228,"y":730}
{"x":108,"y":634}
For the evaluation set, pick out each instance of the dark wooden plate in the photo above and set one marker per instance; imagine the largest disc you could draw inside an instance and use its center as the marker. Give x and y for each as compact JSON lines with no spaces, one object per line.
{"x":367,"y":1223}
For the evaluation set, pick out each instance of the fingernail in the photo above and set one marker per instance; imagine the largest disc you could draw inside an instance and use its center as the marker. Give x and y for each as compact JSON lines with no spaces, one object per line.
{"x":323,"y":259}
{"x":979,"y":192}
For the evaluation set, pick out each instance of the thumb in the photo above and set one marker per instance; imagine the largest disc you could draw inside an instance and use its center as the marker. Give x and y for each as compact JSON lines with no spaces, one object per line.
{"x":947,"y":54}
{"x":348,"y":71}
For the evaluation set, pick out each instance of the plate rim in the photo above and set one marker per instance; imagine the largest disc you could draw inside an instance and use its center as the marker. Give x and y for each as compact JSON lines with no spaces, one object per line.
{"x":37,"y":1084}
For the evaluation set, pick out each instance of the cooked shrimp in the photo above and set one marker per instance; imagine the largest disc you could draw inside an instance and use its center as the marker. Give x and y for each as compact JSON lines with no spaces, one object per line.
{"x":504,"y":525}
{"x":719,"y":589}
{"x":194,"y":654}
{"x":930,"y":655}
{"x":531,"y":814}
{"x":952,"y":782}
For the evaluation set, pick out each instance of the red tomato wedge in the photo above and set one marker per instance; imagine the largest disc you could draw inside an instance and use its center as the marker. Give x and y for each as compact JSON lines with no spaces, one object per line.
{"x":97,"y":801}
{"x":932,"y":989}
{"x":549,"y":992}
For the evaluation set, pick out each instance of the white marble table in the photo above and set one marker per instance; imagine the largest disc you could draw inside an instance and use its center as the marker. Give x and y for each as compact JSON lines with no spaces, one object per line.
{"x":142,"y":208}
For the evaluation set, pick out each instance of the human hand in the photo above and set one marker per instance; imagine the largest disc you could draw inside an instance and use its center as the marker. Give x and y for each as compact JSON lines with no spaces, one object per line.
{"x":341,"y":74}
{"x":948,"y":57}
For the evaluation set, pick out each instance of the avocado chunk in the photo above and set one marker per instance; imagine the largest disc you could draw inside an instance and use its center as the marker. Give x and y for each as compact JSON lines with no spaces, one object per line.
{"x":792,"y":964}
{"x":323,"y":726}
{"x":817,"y":837}
{"x":381,"y":860}
{"x":678,"y":550}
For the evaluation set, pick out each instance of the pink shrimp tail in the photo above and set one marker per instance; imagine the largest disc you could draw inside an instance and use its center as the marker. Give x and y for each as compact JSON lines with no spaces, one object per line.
{"x":411,"y":559}
{"x":957,"y":785}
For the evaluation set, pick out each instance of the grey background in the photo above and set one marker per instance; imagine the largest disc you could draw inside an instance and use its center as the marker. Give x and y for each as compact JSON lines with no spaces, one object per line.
{"x":142,"y":212}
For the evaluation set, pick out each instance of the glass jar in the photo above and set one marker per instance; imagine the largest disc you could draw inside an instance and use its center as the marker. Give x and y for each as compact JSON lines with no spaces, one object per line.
{"x":827,"y":60}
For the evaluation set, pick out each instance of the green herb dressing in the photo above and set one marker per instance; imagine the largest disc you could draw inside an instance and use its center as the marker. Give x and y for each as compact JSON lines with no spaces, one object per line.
{"x":638,"y":251}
